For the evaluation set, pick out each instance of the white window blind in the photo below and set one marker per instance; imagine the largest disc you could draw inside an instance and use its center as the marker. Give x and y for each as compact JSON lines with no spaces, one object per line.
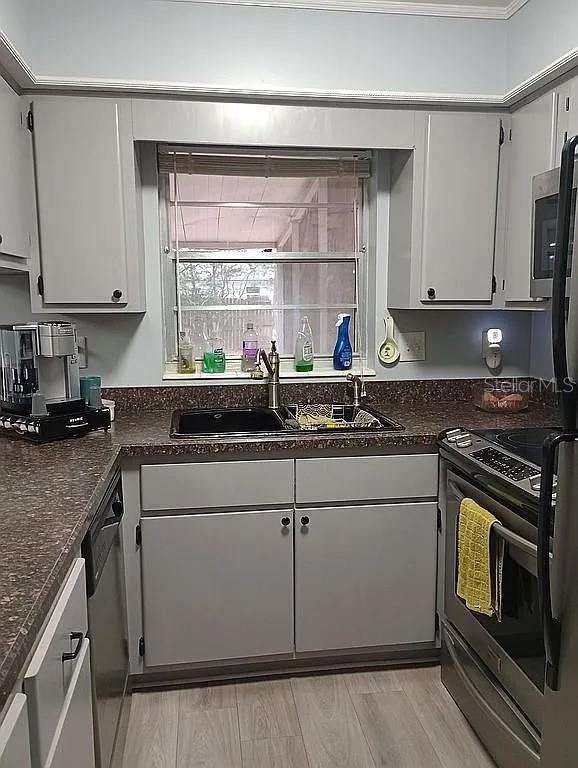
{"x":267,"y":165}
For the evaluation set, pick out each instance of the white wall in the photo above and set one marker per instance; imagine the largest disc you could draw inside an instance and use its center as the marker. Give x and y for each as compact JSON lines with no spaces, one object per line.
{"x":259,"y":48}
{"x":263,"y":48}
{"x":125,"y":350}
{"x":541,"y":32}
{"x":541,"y":364}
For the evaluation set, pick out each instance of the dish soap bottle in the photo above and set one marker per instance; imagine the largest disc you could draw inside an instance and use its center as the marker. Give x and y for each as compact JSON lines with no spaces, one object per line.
{"x":214,"y":355}
{"x":186,"y":354}
{"x":250,"y":351}
{"x":343,"y":353}
{"x":304,"y":347}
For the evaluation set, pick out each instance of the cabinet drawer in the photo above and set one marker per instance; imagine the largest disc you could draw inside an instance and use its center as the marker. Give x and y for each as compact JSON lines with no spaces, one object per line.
{"x":48,"y":677}
{"x":217,"y":484}
{"x":366,"y":478}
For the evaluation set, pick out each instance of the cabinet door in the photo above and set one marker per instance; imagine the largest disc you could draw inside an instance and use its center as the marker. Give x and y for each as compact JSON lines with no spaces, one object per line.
{"x":73,"y":743}
{"x":531,"y":152}
{"x":84,"y":172}
{"x":15,"y":216}
{"x":14,"y":739}
{"x":365,"y":576}
{"x":217,"y":586}
{"x":47,"y":679}
{"x":461,"y":179}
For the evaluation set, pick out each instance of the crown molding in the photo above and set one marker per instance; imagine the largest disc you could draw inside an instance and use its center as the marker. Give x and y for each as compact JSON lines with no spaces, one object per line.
{"x":541,"y":79}
{"x":454,"y":10}
{"x":13,"y":64}
{"x":200,"y":90}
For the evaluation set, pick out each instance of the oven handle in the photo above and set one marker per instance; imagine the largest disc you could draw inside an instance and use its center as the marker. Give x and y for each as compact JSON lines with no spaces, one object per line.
{"x":552,"y":625}
{"x":566,"y":386}
{"x":505,"y":533}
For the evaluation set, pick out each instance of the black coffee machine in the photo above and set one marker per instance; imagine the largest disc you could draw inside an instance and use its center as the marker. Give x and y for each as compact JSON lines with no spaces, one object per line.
{"x":40,"y":386}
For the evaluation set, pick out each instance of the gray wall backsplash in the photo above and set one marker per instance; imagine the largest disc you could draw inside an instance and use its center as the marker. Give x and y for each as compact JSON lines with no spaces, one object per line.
{"x":541,"y":364}
{"x":126,"y":350}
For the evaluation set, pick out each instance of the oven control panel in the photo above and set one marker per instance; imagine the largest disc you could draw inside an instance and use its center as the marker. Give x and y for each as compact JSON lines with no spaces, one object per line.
{"x":480,"y":451}
{"x":506,"y":465}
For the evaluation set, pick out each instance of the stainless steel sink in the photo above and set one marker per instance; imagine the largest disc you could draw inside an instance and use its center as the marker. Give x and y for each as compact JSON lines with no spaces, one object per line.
{"x":336,"y":417}
{"x":226,"y":421}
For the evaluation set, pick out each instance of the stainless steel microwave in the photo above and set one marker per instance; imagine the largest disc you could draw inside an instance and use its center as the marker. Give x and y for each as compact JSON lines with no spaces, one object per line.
{"x":545,"y":191}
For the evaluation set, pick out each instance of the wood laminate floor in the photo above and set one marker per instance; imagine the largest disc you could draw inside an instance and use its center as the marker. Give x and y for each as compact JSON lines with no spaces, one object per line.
{"x":402,"y":718}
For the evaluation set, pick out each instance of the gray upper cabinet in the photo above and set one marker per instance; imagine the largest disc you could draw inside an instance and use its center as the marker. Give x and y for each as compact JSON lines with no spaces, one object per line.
{"x":14,"y":739}
{"x":88,"y":206}
{"x":15,"y":210}
{"x":217,"y":586}
{"x":365,"y":576}
{"x":459,"y":217}
{"x":443,"y":213}
{"x":532,"y":150}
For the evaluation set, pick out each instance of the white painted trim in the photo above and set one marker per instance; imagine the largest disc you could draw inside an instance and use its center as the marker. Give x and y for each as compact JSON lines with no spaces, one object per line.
{"x":542,"y":78}
{"x":382,"y":6}
{"x":337,"y":95}
{"x":12,"y":61}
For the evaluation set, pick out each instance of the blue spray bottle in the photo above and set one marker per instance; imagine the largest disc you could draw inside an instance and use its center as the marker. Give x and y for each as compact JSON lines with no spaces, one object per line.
{"x":343,"y":353}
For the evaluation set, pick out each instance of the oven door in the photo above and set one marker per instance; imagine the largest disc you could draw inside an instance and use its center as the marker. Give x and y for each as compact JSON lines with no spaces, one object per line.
{"x":545,"y":189}
{"x":513,"y":649}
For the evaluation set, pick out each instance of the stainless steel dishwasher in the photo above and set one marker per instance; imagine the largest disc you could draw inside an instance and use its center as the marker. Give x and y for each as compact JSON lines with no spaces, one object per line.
{"x":102,"y":551}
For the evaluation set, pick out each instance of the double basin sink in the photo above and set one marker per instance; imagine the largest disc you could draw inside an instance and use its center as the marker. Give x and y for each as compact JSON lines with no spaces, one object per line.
{"x":317,"y":418}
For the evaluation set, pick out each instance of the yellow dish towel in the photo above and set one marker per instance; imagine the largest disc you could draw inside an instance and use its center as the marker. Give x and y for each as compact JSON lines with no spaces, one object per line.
{"x":480,"y":561}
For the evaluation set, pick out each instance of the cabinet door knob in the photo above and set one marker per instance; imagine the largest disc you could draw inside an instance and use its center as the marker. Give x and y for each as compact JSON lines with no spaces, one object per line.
{"x":116,"y":295}
{"x":304,"y":520}
{"x":1,"y":238}
{"x":431,"y":293}
{"x":285,"y":522}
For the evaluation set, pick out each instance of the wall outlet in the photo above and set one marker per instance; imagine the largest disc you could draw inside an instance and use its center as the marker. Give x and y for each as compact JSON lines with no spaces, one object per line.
{"x":411,"y":346}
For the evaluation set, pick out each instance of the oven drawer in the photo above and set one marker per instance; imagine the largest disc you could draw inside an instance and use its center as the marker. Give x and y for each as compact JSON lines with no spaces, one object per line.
{"x":501,"y":726}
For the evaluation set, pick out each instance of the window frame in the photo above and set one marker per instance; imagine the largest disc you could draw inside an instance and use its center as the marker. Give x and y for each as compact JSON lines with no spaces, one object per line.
{"x":171,"y":310}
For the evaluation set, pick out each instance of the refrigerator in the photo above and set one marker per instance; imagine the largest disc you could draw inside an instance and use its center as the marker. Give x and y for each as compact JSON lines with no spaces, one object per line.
{"x":558,"y":528}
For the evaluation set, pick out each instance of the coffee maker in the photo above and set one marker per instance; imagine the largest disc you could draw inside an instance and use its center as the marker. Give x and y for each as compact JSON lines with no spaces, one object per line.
{"x":40,"y":385}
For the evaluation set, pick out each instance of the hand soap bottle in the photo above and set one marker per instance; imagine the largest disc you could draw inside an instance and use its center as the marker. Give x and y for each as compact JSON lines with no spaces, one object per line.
{"x":214,"y":355}
{"x":304,"y":347}
{"x":343,"y":353}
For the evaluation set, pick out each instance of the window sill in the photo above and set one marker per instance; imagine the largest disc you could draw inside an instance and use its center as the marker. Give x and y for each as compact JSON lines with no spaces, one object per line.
{"x":326,"y":374}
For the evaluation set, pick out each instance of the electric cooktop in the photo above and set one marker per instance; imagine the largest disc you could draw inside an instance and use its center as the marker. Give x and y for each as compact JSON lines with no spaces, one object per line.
{"x":511,"y":458}
{"x":525,"y":443}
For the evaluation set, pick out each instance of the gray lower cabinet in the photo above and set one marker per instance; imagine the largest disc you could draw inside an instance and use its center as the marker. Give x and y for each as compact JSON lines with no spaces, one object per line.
{"x":73,"y":743}
{"x":217,"y":586}
{"x":14,"y":738}
{"x":365,"y":576}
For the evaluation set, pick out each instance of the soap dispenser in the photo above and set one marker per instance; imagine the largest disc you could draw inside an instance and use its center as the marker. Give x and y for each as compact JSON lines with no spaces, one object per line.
{"x":343,"y":352}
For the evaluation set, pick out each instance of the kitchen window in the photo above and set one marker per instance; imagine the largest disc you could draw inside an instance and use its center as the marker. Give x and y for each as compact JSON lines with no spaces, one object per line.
{"x":263,"y":237}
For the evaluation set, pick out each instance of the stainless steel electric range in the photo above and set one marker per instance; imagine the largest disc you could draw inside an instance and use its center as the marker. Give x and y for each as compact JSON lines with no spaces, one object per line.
{"x":495,"y":670}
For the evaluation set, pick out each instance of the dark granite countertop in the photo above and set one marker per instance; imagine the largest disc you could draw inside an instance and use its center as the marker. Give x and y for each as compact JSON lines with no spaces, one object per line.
{"x":49,"y":493}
